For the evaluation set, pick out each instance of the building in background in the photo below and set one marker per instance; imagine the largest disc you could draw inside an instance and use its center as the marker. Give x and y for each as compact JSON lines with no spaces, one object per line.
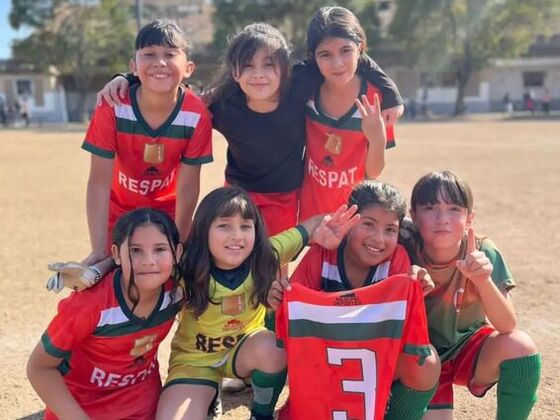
{"x":39,"y":93}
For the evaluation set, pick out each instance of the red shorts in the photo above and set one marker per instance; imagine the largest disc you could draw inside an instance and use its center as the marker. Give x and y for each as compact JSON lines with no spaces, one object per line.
{"x":459,"y":370}
{"x":279,"y":210}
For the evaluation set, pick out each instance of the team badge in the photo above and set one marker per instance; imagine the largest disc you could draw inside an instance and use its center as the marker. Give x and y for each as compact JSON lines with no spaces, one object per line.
{"x":233,"y":305}
{"x":154,"y":153}
{"x":143,"y":345}
{"x":333,"y":144}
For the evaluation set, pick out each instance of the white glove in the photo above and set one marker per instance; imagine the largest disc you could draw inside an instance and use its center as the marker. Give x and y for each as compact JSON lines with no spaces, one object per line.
{"x":71,"y":274}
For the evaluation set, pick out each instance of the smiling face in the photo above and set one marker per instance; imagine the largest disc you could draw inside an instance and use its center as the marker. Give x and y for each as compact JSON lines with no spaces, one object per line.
{"x":161,"y":69}
{"x":259,"y":78}
{"x":442,"y":225}
{"x":337,"y":59}
{"x":231,"y":240}
{"x":148,"y":254}
{"x":373,"y":240}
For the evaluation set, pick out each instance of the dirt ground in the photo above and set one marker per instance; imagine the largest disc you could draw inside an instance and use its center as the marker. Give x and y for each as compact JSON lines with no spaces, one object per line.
{"x":513,"y":168}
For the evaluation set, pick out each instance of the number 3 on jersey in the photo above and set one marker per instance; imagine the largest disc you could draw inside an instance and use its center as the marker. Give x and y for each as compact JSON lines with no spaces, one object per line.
{"x":366,"y":386}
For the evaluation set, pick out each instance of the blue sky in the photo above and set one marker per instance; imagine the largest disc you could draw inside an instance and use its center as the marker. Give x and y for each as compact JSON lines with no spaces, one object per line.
{"x":7,"y":34}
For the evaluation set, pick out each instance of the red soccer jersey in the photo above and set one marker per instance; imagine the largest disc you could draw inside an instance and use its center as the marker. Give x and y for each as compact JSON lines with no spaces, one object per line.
{"x":323,"y":269}
{"x":335,"y":157}
{"x":147,"y":160}
{"x":109,"y":355}
{"x":343,"y":347}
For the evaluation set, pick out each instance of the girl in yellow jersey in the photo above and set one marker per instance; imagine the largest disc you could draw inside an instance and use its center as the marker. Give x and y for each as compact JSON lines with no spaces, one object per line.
{"x":228,"y":268}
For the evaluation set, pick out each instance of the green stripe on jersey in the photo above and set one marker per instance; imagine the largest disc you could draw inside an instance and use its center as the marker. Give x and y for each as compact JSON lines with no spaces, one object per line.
{"x":51,"y":349}
{"x":107,"y":154}
{"x":346,"y":331}
{"x":350,"y":124}
{"x":129,"y":327}
{"x":173,"y":132}
{"x":198,"y":161}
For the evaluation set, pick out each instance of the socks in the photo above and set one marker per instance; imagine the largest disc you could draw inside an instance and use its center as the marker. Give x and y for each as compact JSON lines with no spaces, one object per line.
{"x":517,"y":387}
{"x":407,"y":403}
{"x":266,"y":390}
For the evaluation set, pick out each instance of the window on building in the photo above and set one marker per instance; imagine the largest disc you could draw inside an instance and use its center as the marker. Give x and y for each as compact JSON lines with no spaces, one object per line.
{"x":533,"y":78}
{"x":23,"y":87}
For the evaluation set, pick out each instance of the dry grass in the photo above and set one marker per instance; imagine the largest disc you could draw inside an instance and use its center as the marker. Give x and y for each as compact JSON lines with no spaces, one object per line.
{"x":511,"y":165}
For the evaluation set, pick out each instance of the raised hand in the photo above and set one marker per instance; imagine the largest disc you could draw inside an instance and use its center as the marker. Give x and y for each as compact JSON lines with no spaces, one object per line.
{"x":422,"y":275}
{"x":71,"y":274}
{"x":476,"y":266}
{"x":113,"y":92}
{"x":373,"y":126}
{"x":276,"y":292}
{"x":333,"y":227}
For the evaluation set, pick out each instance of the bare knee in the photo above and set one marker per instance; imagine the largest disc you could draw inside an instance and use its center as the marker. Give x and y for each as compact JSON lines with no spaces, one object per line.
{"x":419,"y":377}
{"x":512,"y":345}
{"x":260,"y":352}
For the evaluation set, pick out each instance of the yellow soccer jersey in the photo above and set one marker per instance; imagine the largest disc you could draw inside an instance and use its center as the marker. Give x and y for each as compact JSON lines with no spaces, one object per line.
{"x":230,"y":315}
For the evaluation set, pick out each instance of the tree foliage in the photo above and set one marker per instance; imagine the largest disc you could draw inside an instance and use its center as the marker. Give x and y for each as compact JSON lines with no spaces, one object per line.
{"x":464,"y":35}
{"x":290,"y":16}
{"x":81,"y":39}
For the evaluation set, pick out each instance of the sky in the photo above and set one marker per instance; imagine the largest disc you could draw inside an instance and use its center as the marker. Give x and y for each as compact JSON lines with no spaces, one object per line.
{"x":7,"y":34}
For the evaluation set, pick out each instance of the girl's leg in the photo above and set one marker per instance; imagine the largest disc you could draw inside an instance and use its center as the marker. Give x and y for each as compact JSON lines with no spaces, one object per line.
{"x":514,"y":362}
{"x":260,"y":358}
{"x":413,"y":387}
{"x":185,"y":401}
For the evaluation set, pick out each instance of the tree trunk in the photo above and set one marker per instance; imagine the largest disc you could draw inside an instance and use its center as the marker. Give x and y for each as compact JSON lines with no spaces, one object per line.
{"x":464,"y":67}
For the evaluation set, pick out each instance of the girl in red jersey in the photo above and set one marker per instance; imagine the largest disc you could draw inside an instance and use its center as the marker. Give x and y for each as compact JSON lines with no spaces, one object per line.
{"x":368,"y":254}
{"x":147,"y":152}
{"x":346,"y":135}
{"x":98,"y":356}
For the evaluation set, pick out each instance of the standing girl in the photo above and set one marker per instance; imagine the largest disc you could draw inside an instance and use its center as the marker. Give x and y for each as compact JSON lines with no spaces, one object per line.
{"x":346,"y":135}
{"x":471,"y":318}
{"x":98,"y":356}
{"x":148,"y":150}
{"x":228,"y":268}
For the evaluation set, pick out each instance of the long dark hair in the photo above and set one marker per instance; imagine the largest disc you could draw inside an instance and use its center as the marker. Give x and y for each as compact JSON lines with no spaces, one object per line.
{"x":124,"y":229}
{"x":241,"y":49}
{"x":197,"y":260}
{"x":336,"y":22}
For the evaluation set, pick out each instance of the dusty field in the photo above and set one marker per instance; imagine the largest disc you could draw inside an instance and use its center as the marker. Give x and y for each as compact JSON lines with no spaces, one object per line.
{"x":512,"y":166}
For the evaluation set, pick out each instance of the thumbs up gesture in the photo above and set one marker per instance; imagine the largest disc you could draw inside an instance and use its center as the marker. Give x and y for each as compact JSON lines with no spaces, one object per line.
{"x":476,"y":266}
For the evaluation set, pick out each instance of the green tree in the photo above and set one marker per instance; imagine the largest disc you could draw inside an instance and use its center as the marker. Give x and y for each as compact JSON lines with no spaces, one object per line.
{"x":80,"y":39}
{"x":290,"y":16}
{"x":462,"y":36}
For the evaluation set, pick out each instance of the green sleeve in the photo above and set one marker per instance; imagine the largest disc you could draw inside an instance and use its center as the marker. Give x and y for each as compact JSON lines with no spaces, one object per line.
{"x":501,"y":274}
{"x":289,"y":243}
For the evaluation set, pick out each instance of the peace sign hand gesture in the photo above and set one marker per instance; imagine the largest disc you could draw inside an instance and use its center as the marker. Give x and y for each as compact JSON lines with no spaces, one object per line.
{"x":373,"y":126}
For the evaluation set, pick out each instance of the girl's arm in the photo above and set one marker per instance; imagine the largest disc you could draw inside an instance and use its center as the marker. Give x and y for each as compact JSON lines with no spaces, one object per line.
{"x":188,"y":189}
{"x":97,"y":206}
{"x":392,"y":103}
{"x":47,"y":381}
{"x":373,"y":128}
{"x":115,"y":90}
{"x":478,"y":269}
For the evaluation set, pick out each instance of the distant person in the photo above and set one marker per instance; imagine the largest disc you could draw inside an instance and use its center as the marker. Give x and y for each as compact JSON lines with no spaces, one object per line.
{"x":508,"y":104}
{"x":471,"y":317}
{"x":3,"y":116}
{"x":24,"y":110}
{"x":546,"y":100}
{"x":529,"y":101}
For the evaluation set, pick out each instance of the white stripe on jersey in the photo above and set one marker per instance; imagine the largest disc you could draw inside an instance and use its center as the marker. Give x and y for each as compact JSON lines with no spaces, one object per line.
{"x":381,"y":272}
{"x":330,"y":272}
{"x":311,"y":104}
{"x":186,"y":119}
{"x":115,"y":316}
{"x":125,"y":112}
{"x":359,"y":314}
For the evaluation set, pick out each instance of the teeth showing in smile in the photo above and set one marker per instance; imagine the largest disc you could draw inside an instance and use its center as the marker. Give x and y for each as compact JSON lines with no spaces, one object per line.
{"x":160,"y":76}
{"x":373,"y":249}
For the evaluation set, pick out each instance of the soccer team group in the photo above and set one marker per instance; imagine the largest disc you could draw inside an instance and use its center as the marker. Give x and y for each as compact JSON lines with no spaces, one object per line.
{"x":379,"y":319}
